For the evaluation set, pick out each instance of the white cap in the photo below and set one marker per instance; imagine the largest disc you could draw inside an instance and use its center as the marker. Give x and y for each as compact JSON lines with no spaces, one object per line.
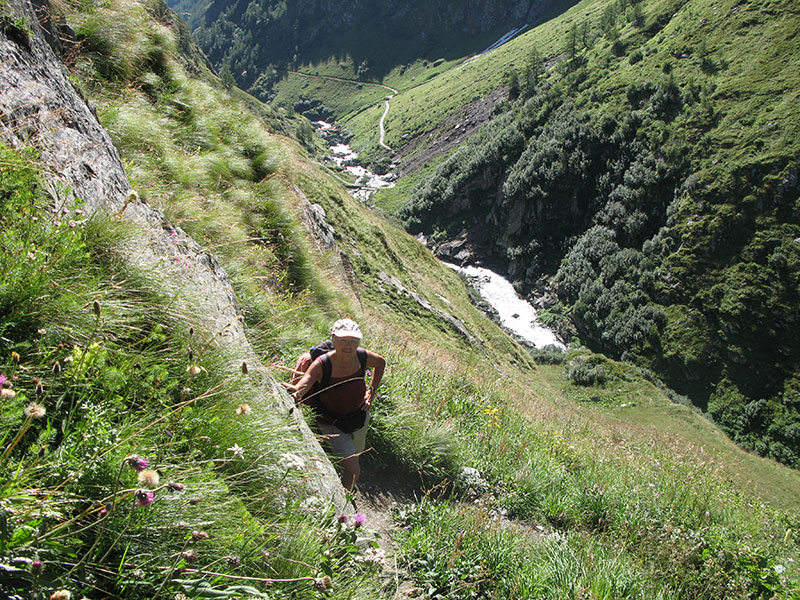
{"x":346,"y":328}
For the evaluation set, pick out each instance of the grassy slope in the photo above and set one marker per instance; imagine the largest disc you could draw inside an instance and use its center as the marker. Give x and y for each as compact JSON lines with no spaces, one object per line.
{"x":188,"y":149}
{"x":754,"y":91}
{"x":376,"y":246}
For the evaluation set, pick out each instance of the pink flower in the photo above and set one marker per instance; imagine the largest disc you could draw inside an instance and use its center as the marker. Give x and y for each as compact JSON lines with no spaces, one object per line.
{"x":3,"y":378}
{"x":359,"y":519}
{"x":137,"y":463}
{"x":145,"y":497}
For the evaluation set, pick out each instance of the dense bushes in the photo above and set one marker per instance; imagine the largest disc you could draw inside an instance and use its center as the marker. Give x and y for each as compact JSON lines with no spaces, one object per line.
{"x":654,"y":260}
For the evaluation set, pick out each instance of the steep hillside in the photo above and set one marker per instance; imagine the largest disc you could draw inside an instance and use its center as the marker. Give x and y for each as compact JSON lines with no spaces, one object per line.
{"x":147,"y":449}
{"x":638,"y":160}
{"x":647,"y":173}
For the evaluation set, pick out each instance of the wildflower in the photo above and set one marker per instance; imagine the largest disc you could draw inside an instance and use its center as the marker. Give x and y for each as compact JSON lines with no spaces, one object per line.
{"x":189,"y":555}
{"x":194,"y":501}
{"x":234,"y":561}
{"x":343,"y":518}
{"x":36,"y":566}
{"x":199,"y":535}
{"x":175,"y":487}
{"x":96,"y":308}
{"x":148,"y":478}
{"x":372,"y":555}
{"x":243,"y":409}
{"x":34,"y":410}
{"x":15,"y":357}
{"x":57,"y":368}
{"x":7,"y":393}
{"x":244,"y":367}
{"x":103,"y":512}
{"x":322,"y":583}
{"x":41,"y":331}
{"x":39,"y":387}
{"x":291,"y":461}
{"x":3,"y":378}
{"x":145,"y":497}
{"x":136,"y":462}
{"x":61,"y":595}
{"x":194,"y":369}
{"x":237,"y":451}
{"x":359,"y":519}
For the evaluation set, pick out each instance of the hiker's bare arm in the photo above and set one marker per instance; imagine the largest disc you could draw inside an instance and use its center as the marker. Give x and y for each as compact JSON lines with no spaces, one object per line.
{"x":378,"y":364}
{"x":300,"y":368}
{"x":310,"y":377}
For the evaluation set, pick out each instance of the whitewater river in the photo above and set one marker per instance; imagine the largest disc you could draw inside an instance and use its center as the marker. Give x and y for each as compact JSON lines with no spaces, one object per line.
{"x":346,"y":158}
{"x":515,"y":313}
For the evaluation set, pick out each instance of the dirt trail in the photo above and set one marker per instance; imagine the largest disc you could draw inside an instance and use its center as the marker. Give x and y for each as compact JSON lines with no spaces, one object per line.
{"x":379,"y":491}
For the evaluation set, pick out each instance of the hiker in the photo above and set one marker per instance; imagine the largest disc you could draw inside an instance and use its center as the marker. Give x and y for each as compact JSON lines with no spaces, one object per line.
{"x":343,"y":399}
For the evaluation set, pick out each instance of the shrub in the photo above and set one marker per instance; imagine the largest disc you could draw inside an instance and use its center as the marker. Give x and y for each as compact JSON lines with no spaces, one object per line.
{"x":587,"y":371}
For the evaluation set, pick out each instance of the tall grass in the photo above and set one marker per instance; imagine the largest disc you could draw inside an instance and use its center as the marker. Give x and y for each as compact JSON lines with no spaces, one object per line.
{"x":102,"y":378}
{"x":569,"y":516}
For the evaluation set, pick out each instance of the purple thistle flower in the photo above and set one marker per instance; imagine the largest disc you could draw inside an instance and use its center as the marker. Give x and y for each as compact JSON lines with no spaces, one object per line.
{"x":359,"y":519}
{"x":3,"y":378}
{"x":145,"y":497}
{"x":137,"y":463}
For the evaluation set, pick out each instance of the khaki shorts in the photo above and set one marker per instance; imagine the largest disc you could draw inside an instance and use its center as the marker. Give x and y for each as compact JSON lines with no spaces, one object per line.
{"x":345,"y":444}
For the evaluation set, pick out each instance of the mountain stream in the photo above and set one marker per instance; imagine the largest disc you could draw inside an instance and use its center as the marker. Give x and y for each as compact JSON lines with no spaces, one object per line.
{"x":515,"y":313}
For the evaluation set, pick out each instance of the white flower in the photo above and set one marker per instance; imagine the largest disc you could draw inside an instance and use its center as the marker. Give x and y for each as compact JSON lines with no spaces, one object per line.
{"x":237,"y":451}
{"x":372,"y":555}
{"x":291,"y":461}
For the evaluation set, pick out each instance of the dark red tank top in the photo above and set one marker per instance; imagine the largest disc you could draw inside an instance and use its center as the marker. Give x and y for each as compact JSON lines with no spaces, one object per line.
{"x":344,"y":395}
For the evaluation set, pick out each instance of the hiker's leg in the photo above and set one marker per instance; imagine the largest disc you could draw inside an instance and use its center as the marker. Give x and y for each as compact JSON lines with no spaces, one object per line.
{"x":343,"y":447}
{"x":360,"y":436}
{"x":352,"y":469}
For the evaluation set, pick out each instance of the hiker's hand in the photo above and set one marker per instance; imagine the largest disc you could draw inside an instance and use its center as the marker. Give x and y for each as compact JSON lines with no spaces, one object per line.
{"x":292,"y":389}
{"x":368,"y":397}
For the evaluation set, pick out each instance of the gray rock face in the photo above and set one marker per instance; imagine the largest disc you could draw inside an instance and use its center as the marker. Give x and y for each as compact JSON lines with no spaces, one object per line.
{"x":40,"y":108}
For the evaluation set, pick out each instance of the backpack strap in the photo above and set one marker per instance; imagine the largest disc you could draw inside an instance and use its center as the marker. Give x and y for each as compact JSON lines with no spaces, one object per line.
{"x":362,"y":358}
{"x":326,"y":369}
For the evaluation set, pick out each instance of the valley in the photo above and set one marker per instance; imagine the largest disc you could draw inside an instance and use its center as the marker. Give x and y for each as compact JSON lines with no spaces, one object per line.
{"x":172,"y":243}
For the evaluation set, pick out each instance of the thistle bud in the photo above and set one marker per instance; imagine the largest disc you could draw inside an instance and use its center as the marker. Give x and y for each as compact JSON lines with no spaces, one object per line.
{"x":57,"y":368}
{"x":244,"y":367}
{"x":96,"y":308}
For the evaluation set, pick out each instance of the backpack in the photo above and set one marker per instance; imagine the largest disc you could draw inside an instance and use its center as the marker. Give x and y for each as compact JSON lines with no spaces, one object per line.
{"x":347,"y":423}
